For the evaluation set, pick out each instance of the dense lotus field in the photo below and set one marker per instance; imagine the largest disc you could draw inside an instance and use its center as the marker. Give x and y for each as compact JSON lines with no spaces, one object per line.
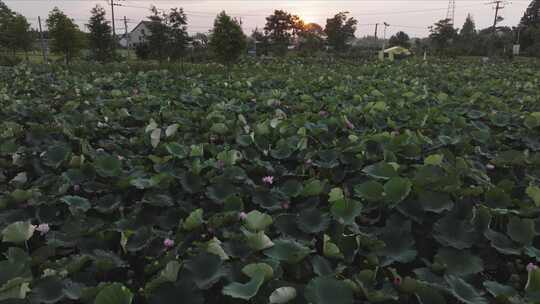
{"x":281,"y":182}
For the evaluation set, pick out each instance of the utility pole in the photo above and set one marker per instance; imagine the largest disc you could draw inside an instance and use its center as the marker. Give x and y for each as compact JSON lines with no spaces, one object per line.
{"x":376,"y":28}
{"x":43,"y":50}
{"x":128,"y":37}
{"x":451,"y":12}
{"x":498,"y":7}
{"x":384,"y":37}
{"x":112,"y":15}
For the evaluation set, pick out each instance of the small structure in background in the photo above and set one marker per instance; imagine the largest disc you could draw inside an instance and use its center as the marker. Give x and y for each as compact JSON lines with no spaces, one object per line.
{"x":136,"y":36}
{"x":396,"y":52}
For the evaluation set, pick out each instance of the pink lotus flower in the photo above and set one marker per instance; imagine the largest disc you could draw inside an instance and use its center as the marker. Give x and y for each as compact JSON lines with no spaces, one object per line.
{"x":43,"y":228}
{"x":531,"y":267}
{"x":268,"y":180}
{"x":397,"y":281}
{"x":242,"y":215}
{"x":348,"y":124}
{"x":168,"y":243}
{"x":323,"y":113}
{"x":285,"y":205}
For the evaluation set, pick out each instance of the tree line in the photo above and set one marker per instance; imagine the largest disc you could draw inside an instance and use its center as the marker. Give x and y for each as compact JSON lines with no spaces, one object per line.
{"x":168,"y":38}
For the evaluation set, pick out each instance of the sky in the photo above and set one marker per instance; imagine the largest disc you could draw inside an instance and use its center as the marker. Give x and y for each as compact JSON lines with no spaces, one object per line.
{"x":411,"y":16}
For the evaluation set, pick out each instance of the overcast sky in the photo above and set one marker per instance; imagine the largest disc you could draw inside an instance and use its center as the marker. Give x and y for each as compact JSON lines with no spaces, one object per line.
{"x":411,"y":16}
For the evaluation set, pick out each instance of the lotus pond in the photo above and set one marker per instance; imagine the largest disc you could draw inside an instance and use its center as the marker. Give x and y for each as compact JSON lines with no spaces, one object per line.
{"x":281,"y":182}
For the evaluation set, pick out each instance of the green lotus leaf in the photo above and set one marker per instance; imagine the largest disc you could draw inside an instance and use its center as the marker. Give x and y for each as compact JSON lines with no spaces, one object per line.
{"x":206,"y":269}
{"x":498,"y":290}
{"x":502,"y":243}
{"x":14,"y":289}
{"x":313,"y":221}
{"x":454,"y":233}
{"x":76,"y":204}
{"x":335,"y":194}
{"x":521,"y":230}
{"x":171,"y":130}
{"x":219,"y":128}
{"x":429,"y":295}
{"x":498,"y":198}
{"x":330,"y":249}
{"x":245,"y":291}
{"x":371,"y":191}
{"x":56,"y":155}
{"x":288,"y":251}
{"x":459,"y":262}
{"x":194,"y":220}
{"x":108,"y":166}
{"x":219,"y":192}
{"x":380,"y":170}
{"x":534,"y":193}
{"x":139,"y":240}
{"x":177,"y":150}
{"x":346,"y":210}
{"x":428,"y":175}
{"x":399,"y":243}
{"x":191,"y":182}
{"x":257,"y":221}
{"x":463,"y":291}
{"x":327,"y":290}
{"x":435,"y":201}
{"x":434,"y":159}
{"x":167,"y":274}
{"x":532,"y":120}
{"x":155,"y":137}
{"x":533,"y":281}
{"x":114,"y":293}
{"x":397,"y":189}
{"x":196,"y":150}
{"x":282,"y":295}
{"x":18,"y":232}
{"x":171,"y":293}
{"x":292,"y":188}
{"x":313,"y":187}
{"x":48,"y":290}
{"x":328,"y":159}
{"x":258,"y":240}
{"x":255,"y":269}
{"x":230,"y":157}
{"x":214,"y":246}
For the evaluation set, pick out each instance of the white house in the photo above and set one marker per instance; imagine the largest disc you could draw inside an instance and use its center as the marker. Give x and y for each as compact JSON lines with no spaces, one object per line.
{"x":136,"y":36}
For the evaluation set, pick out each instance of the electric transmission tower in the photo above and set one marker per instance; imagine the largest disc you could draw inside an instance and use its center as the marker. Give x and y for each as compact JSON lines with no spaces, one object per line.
{"x":451,"y":12}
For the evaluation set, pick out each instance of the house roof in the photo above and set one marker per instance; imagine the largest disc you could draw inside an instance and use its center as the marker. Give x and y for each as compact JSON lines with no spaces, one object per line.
{"x":397,"y":50}
{"x":144,"y":22}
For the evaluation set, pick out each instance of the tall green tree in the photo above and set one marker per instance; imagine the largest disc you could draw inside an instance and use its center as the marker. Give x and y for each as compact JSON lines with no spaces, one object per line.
{"x":66,"y":37}
{"x":531,"y":17}
{"x":15,"y":32}
{"x":400,"y":39}
{"x":100,"y":38}
{"x":468,"y":36}
{"x":442,"y":36}
{"x":280,"y":28}
{"x":178,"y":35}
{"x":340,"y":30}
{"x":311,"y":38}
{"x":227,"y":40}
{"x":261,"y":42}
{"x":5,"y":17}
{"x":158,"y":38}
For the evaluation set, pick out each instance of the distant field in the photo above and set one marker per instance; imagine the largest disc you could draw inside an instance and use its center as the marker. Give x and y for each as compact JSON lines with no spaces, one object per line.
{"x":281,"y":181}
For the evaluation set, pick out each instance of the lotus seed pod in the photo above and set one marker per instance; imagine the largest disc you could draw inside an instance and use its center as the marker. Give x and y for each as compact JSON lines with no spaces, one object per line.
{"x":408,"y":285}
{"x":366,"y":275}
